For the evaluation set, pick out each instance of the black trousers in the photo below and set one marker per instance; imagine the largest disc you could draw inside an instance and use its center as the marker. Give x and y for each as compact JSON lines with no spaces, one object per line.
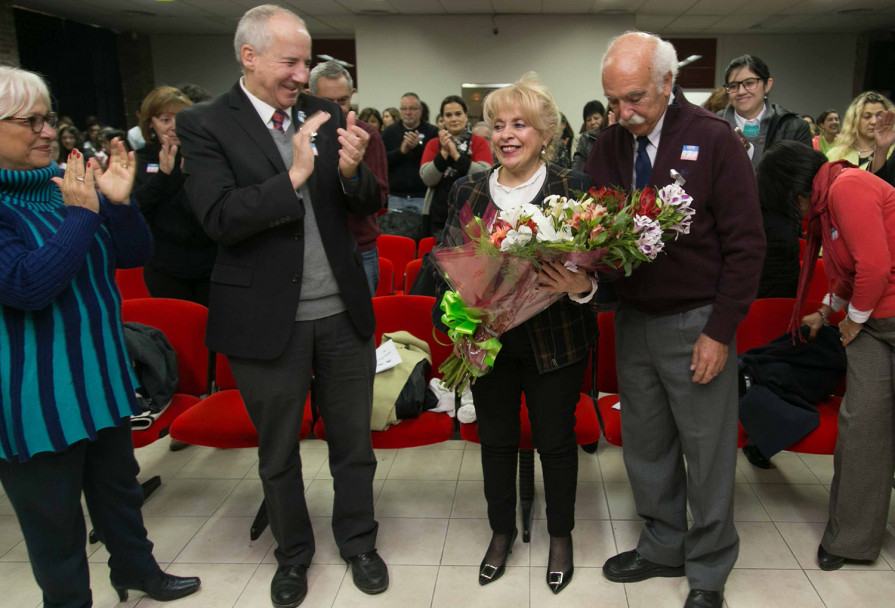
{"x":275,"y":392}
{"x":161,"y":285}
{"x":46,"y":495}
{"x":551,"y":398}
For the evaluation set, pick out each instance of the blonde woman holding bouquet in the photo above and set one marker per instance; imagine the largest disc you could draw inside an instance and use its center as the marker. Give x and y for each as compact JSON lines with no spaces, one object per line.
{"x":544,"y":357}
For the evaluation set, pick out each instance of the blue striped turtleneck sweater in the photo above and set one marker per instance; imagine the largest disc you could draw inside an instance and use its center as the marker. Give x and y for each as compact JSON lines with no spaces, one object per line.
{"x":64,"y":370}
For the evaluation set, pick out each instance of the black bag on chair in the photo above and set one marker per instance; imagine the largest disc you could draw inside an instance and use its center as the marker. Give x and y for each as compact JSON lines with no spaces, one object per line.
{"x":407,"y":222}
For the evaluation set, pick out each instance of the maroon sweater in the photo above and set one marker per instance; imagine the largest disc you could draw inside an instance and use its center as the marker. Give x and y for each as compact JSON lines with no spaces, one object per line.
{"x":720,"y":261}
{"x":366,"y":228}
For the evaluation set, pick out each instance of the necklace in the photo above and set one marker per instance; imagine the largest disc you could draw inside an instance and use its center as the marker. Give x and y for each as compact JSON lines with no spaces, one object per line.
{"x":863,"y":150}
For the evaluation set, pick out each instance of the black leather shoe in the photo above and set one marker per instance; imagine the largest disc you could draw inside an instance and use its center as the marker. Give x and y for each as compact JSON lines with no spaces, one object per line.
{"x":488,"y":573}
{"x":163,"y":589}
{"x":700,"y":598}
{"x":558,"y":579}
{"x":631,"y":567}
{"x":827,"y":561}
{"x":369,"y":572}
{"x":289,"y":586}
{"x":754,"y":456}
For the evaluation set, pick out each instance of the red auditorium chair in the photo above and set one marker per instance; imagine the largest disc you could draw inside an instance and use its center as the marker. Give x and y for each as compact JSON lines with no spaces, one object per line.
{"x":768,"y":318}
{"x":426,"y":245}
{"x":398,"y":249}
{"x":131,"y":284}
{"x":413,"y":269}
{"x":819,"y":286}
{"x":183,"y":323}
{"x":221,"y":421}
{"x":412,"y":314}
{"x":386,"y":277}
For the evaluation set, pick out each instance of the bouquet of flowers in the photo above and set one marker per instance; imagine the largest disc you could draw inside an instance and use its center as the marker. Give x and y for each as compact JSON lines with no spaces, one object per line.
{"x":493,"y":276}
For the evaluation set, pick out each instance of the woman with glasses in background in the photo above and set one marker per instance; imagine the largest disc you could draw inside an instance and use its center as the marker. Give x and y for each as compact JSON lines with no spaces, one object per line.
{"x":760,"y":123}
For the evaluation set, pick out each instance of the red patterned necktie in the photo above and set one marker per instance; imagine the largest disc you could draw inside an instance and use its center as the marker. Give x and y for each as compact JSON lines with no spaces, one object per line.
{"x":278,"y":117}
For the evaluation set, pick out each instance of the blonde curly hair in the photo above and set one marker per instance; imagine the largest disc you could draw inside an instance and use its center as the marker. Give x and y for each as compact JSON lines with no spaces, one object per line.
{"x":848,"y":134}
{"x":537,"y":105}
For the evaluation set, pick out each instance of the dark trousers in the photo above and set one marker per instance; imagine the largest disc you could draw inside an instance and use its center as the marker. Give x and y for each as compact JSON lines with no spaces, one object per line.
{"x":161,"y":285}
{"x":274,"y":392}
{"x":551,"y":398}
{"x":46,"y":495}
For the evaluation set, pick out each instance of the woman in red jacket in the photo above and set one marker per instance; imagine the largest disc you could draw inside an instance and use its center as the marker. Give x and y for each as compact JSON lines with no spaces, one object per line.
{"x":851,"y":213}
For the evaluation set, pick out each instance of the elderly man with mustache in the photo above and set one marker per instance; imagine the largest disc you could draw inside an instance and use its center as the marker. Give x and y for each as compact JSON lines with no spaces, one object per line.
{"x":677,"y":320}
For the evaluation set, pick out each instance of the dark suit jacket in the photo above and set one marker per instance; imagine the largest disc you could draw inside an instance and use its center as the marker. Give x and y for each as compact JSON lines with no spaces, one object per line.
{"x":240,"y":191}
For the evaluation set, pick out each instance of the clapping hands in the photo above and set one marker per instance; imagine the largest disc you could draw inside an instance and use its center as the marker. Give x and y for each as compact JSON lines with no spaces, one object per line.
{"x":80,"y":183}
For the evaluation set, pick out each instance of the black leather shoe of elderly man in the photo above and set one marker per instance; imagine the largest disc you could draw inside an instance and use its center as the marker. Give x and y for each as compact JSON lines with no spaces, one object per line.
{"x":700,"y":598}
{"x":289,"y":586}
{"x":369,"y":572}
{"x":631,"y":567}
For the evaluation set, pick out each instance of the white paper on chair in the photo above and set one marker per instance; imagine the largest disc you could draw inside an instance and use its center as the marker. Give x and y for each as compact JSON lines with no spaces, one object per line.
{"x":387,"y":357}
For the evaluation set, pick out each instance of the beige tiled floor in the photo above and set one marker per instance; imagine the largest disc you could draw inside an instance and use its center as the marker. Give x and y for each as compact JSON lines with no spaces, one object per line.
{"x":433,"y":533}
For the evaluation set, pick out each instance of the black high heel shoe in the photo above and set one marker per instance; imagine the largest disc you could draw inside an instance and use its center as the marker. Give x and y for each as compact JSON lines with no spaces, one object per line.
{"x":489,"y":573}
{"x":164,"y":589}
{"x":558,"y":579}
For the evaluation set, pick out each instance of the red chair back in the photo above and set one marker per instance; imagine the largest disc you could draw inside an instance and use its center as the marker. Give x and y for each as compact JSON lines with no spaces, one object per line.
{"x":223,"y":375}
{"x":412,"y":314}
{"x":386,"y":285}
{"x":131,"y":284}
{"x":426,"y":245}
{"x":398,"y":249}
{"x":819,"y":286}
{"x":768,"y":319}
{"x":413,"y":269}
{"x":183,"y":323}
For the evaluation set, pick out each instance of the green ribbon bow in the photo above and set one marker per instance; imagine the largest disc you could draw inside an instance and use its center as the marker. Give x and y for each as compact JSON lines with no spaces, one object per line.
{"x":463,"y":321}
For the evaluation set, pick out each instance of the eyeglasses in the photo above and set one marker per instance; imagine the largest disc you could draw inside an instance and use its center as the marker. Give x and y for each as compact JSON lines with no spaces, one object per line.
{"x":410,"y":109}
{"x":37,"y":121}
{"x":748,"y":84}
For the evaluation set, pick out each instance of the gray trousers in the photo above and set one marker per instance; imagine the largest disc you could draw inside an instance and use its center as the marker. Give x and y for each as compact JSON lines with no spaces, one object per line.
{"x":864,"y":460}
{"x":667,"y":417}
{"x":275,"y":392}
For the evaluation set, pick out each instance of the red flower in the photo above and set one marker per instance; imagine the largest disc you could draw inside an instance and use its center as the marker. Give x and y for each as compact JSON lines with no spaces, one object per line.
{"x":607,"y":196}
{"x":499,"y":232}
{"x":646,"y":205}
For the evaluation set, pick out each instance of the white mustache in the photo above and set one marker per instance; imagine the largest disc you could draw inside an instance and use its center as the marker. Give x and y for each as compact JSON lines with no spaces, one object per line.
{"x":636,"y":119}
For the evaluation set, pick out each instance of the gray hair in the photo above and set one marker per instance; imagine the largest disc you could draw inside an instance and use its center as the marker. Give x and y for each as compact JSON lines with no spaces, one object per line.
{"x":328,"y":69}
{"x":20,"y":90}
{"x":252,"y":29}
{"x":664,"y":55}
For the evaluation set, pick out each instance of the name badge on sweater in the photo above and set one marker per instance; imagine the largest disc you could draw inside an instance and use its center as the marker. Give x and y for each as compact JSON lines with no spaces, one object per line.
{"x":690,"y":153}
{"x":152,"y":168}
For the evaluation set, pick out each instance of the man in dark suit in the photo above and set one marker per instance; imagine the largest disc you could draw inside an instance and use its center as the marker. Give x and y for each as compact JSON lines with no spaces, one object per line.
{"x":677,"y":320}
{"x":272,"y":174}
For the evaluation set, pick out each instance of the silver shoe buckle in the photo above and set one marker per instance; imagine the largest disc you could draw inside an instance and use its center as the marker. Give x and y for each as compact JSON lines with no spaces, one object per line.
{"x":488,"y":571}
{"x":556,"y":578}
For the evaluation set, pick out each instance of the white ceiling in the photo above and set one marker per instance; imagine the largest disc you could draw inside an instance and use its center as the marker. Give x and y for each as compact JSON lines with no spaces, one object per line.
{"x":336,"y":18}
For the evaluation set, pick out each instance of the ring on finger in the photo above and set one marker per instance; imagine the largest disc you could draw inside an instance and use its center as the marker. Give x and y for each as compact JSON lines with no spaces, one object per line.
{"x":80,"y":179}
